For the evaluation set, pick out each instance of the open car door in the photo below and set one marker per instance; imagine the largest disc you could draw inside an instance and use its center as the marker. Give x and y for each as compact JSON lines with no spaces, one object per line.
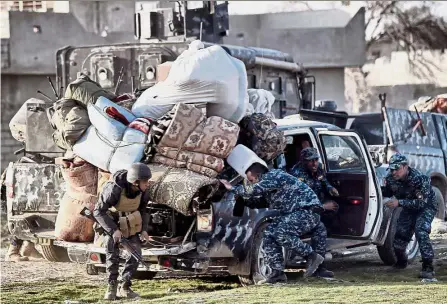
{"x":349,"y":169}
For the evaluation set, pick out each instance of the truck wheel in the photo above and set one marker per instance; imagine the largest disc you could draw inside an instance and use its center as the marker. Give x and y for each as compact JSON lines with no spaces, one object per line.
{"x":54,"y":253}
{"x":258,"y":269}
{"x":386,"y":251}
{"x":91,"y":269}
{"x":440,"y":202}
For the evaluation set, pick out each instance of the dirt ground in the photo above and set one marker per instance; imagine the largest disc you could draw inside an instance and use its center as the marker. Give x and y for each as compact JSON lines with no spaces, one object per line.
{"x":362,"y":278}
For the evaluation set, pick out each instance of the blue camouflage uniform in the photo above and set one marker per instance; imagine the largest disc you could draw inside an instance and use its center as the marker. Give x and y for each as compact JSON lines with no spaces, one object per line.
{"x":418,"y":203}
{"x":299,"y":208}
{"x":316,"y":181}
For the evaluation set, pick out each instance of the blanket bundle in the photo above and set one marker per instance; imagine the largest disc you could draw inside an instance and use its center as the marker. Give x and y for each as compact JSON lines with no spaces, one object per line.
{"x":195,"y":142}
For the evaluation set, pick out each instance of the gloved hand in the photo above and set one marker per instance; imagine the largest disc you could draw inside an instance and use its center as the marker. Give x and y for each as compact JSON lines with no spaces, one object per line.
{"x":117,"y":236}
{"x":226,"y":183}
{"x":334,"y":192}
{"x":330,"y":206}
{"x":145,"y":236}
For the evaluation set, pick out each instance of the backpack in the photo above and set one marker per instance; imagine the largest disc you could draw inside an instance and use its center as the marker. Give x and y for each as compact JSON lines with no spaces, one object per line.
{"x":260,"y":134}
{"x":70,"y":120}
{"x":86,"y":91}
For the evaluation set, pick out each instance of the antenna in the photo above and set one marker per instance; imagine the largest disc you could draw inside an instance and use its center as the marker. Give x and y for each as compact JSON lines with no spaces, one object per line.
{"x":45,"y":95}
{"x":52,"y":87}
{"x":201,"y":27}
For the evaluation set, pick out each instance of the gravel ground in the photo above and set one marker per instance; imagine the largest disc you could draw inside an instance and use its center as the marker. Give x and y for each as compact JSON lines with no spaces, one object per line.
{"x":39,"y":269}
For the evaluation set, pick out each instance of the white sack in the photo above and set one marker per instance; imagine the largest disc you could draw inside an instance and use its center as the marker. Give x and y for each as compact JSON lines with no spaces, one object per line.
{"x":207,"y":75}
{"x":110,"y":155}
{"x":261,"y":100}
{"x":241,"y":158}
{"x":102,"y":103}
{"x":109,"y":144}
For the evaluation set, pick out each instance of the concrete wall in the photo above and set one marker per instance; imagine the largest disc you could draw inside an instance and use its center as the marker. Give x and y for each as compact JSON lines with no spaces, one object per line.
{"x":15,"y":90}
{"x":34,"y":53}
{"x":314,"y":46}
{"x":330,"y":85}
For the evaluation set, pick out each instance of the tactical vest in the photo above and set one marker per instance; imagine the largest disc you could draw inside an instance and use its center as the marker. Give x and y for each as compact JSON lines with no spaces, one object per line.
{"x":129,"y":221}
{"x":126,"y":204}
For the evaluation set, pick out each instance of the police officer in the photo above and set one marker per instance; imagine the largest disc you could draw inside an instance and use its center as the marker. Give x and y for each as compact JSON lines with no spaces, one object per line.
{"x":310,"y":172}
{"x":123,"y":195}
{"x":21,"y":251}
{"x":411,"y":190}
{"x":299,"y":210}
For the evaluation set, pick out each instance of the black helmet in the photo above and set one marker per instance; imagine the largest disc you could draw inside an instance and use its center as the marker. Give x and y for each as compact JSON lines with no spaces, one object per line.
{"x":138,"y":171}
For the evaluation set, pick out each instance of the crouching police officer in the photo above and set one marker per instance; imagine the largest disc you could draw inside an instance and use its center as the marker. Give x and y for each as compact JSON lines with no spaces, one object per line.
{"x":412,"y":191}
{"x":123,"y":195}
{"x":299,"y":209}
{"x":310,"y":172}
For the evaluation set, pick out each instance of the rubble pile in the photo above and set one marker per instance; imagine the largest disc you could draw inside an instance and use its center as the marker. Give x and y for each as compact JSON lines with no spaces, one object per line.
{"x":184,"y":127}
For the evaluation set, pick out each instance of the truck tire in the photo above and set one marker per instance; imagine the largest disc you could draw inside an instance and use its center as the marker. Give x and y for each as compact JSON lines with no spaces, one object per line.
{"x":53,"y":253}
{"x":440,"y":202}
{"x":257,"y":268}
{"x":386,"y":251}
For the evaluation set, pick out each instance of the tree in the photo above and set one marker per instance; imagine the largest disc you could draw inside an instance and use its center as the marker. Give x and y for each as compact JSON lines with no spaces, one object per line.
{"x":412,"y":28}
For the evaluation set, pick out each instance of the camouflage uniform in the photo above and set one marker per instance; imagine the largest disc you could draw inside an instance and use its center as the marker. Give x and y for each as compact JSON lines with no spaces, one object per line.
{"x":110,"y":196}
{"x":418,"y":203}
{"x":316,"y":181}
{"x":299,"y":208}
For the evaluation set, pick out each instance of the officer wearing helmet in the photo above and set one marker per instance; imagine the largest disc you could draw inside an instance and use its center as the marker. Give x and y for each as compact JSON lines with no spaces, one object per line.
{"x":122,"y":211}
{"x":410,"y":189}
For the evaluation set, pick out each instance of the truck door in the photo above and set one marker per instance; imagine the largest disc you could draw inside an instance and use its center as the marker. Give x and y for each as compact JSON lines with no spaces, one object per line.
{"x":349,"y":168}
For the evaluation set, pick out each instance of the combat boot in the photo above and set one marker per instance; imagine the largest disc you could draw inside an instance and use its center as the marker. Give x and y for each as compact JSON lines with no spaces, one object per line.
{"x":124,"y":291}
{"x":322,"y":272}
{"x":402,"y":259}
{"x":427,"y":271}
{"x":313,"y":261}
{"x":13,"y":254}
{"x":29,"y":250}
{"x":276,"y":276}
{"x":111,"y":291}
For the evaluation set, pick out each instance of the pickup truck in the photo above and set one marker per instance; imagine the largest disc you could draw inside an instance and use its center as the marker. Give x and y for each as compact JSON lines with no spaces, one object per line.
{"x":216,"y":239}
{"x":420,"y":136}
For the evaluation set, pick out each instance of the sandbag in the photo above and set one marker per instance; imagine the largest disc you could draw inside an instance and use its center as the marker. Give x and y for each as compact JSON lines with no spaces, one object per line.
{"x":177,"y":188}
{"x":70,"y":225}
{"x":191,"y":80}
{"x":83,"y":179}
{"x":17,"y":125}
{"x":70,"y":120}
{"x":86,"y":91}
{"x":260,"y":134}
